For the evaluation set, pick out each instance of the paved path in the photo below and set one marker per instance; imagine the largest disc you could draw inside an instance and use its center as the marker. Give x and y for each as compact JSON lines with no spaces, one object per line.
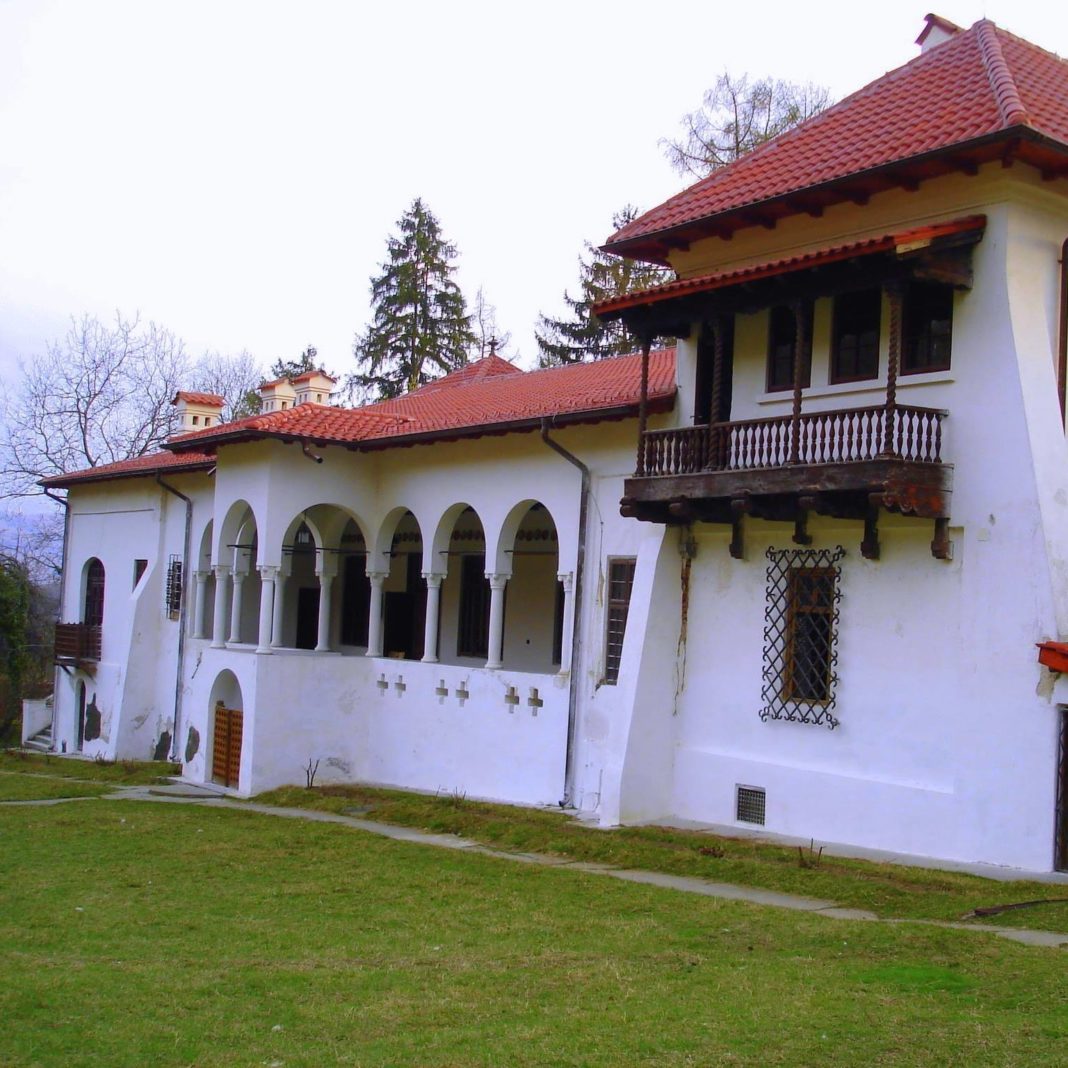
{"x":184,"y":793}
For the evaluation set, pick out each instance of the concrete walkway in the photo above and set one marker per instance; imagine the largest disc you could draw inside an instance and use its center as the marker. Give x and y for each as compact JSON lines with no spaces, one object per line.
{"x":185,"y":793}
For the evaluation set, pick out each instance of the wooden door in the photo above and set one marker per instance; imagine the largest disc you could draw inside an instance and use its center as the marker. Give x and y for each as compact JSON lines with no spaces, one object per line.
{"x":226,"y":747}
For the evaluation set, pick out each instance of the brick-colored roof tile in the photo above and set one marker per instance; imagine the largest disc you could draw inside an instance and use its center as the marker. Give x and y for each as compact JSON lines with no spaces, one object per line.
{"x":150,"y":464}
{"x":982,"y":82}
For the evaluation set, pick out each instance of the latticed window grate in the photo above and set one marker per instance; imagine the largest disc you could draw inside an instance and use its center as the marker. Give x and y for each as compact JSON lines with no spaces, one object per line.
{"x":620,"y":583}
{"x":174,"y":586}
{"x":800,"y":635}
{"x":750,"y":804}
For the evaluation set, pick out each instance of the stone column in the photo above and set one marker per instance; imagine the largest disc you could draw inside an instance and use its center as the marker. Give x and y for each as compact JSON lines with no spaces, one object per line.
{"x":567,"y":626}
{"x":238,"y":580}
{"x":374,"y":622}
{"x":326,"y":571}
{"x":279,"y":605}
{"x":267,"y":595}
{"x":222,"y":599}
{"x":433,"y":602}
{"x":200,"y":605}
{"x":496,"y":619}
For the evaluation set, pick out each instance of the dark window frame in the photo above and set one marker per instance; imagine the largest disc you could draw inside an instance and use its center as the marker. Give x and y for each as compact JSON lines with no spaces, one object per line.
{"x":620,"y":587}
{"x":924,"y":335}
{"x":853,"y":341}
{"x":808,"y":667}
{"x":782,"y":342}
{"x":95,"y":585}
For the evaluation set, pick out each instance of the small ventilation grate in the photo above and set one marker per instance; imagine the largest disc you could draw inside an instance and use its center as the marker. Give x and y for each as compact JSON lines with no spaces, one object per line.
{"x":750,"y":805}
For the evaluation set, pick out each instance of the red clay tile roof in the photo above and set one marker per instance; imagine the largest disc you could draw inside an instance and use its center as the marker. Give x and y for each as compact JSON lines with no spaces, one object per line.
{"x":311,"y":374}
{"x":957,"y":104}
{"x":467,"y":403}
{"x":903,"y":239}
{"x":209,"y":400}
{"x":492,"y":366}
{"x":150,"y":464}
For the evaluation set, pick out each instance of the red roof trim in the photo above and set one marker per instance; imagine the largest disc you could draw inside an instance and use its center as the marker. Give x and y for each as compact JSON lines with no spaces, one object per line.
{"x":207,"y":400}
{"x":723,"y":279}
{"x":1007,"y":95}
{"x":937,"y":22}
{"x":138,"y":467}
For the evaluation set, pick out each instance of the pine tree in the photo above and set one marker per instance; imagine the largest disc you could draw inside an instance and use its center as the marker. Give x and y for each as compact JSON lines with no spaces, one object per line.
{"x":420,"y":326}
{"x":582,"y":335}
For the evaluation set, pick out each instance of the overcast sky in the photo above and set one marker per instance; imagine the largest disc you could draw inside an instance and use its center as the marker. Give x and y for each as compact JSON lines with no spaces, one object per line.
{"x":232,"y":169}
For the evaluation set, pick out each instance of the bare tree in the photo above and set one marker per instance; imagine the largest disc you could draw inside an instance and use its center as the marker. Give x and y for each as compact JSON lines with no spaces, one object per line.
{"x":235,"y":378}
{"x":488,"y":334}
{"x":738,"y":114}
{"x":101,"y":394}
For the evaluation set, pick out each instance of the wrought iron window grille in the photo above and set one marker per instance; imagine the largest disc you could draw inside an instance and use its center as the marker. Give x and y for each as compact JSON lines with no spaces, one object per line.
{"x":801,"y":636}
{"x":174,"y":586}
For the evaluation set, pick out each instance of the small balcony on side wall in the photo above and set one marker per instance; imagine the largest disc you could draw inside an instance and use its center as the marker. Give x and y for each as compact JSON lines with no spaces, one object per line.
{"x":846,"y":463}
{"x":77,"y":645}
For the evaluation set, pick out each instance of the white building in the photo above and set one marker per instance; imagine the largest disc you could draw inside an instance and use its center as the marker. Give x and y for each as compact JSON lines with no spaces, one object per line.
{"x":845,"y":532}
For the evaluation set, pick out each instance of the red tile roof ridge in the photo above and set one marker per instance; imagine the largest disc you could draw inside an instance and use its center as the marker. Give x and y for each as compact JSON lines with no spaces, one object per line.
{"x":312,"y":374}
{"x":275,"y":382}
{"x":1002,"y":82}
{"x":490,"y":366}
{"x":195,"y":397}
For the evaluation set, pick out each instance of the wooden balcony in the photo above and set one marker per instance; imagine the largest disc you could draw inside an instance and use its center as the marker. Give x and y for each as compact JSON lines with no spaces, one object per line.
{"x":846,"y":463}
{"x":77,"y":644}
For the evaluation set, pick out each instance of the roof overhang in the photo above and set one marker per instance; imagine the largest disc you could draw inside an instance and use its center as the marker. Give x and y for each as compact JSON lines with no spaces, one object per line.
{"x":92,"y":475}
{"x":940,"y":251}
{"x":1018,"y":143}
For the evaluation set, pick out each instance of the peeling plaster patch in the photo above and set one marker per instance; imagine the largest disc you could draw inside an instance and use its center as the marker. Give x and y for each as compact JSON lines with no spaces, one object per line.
{"x":192,"y":744}
{"x":340,"y":765}
{"x":92,"y":720}
{"x":1046,"y":681}
{"x":163,"y":746}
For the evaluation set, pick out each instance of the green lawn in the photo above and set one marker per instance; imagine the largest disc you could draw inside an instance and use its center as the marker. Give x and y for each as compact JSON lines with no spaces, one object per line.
{"x":890,"y":890}
{"x":128,"y":772}
{"x":140,"y":934}
{"x":16,"y":787}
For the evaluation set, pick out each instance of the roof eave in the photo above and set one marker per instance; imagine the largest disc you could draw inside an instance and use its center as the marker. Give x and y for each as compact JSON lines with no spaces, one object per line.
{"x":82,"y":479}
{"x":655,"y":245}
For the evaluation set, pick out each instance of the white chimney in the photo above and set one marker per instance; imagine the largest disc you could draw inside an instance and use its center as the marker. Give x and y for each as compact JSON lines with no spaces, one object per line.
{"x":314,"y":387}
{"x":937,"y":31}
{"x":197,"y":410}
{"x":276,"y":396}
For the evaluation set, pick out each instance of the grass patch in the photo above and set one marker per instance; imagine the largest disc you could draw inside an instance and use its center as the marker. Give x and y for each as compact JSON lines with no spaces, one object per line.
{"x":886,"y":889}
{"x":38,"y":788}
{"x":126,"y":772}
{"x":137,"y":934}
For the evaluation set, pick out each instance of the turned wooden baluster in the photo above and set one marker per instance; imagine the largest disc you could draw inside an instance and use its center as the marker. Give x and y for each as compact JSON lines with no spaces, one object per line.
{"x":893,"y":361}
{"x":800,"y":336}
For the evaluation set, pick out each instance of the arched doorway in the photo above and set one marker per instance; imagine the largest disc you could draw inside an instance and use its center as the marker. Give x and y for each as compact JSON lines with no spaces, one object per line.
{"x":405,"y":593}
{"x":227,"y":730}
{"x":533,"y":624}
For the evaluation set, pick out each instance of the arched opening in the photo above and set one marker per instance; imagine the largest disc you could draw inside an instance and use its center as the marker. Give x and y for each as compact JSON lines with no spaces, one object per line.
{"x":204,"y":608}
{"x":245,"y":609}
{"x":302,"y":631}
{"x":405,"y":592}
{"x":355,"y":587}
{"x":227,"y":729}
{"x":465,"y":591}
{"x":93,"y":604}
{"x":534,"y":616}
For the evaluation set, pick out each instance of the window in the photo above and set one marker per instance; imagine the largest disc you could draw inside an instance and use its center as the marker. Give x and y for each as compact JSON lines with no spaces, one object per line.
{"x":800,"y":634}
{"x":93,"y":615}
{"x":196,"y":420}
{"x":473,"y":631}
{"x":620,"y":583}
{"x":927,"y":328}
{"x":855,"y":337}
{"x":140,"y":566}
{"x":174,"y":586}
{"x":782,"y":331}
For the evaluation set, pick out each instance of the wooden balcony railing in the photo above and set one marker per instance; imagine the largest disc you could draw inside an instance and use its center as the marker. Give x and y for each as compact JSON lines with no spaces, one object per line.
{"x":850,"y":435}
{"x":77,"y":641}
